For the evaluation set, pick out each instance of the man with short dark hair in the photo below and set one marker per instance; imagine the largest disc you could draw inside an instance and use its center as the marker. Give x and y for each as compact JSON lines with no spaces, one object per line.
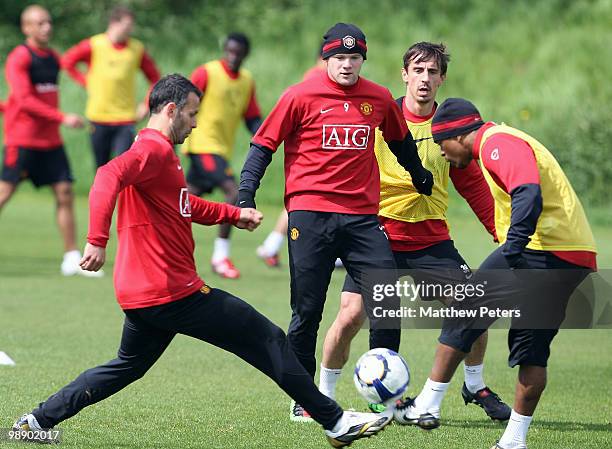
{"x":333,"y":185}
{"x":229,"y":97}
{"x":113,"y":59}
{"x":157,"y":285}
{"x":417,"y":228}
{"x":33,"y":145}
{"x":546,"y":250}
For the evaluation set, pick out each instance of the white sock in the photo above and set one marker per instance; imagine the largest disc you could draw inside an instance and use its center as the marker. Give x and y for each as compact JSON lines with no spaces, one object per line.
{"x":222,"y":249}
{"x":272,"y":243}
{"x":33,"y":422}
{"x":430,"y":398}
{"x":515,"y":435}
{"x":74,"y":254}
{"x":340,"y":424}
{"x":473,"y":377}
{"x":328,"y":378}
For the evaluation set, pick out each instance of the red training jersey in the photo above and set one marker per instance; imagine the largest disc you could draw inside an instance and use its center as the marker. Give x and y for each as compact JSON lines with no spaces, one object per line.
{"x":328,"y":130}
{"x":32,"y":118}
{"x":154,"y":263}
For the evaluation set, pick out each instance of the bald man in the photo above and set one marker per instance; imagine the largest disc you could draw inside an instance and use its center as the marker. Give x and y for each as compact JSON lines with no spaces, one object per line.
{"x":33,"y":147}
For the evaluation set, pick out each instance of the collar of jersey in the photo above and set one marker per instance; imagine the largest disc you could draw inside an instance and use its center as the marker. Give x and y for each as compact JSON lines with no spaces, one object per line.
{"x":338,"y":87}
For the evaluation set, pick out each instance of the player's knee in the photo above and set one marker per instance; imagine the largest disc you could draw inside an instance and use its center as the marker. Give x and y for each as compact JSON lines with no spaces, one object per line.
{"x":64,"y":195}
{"x":351,"y":315}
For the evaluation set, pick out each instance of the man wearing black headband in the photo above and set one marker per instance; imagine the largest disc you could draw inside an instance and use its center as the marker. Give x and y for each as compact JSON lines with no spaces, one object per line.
{"x":541,"y":226}
{"x":332,"y":184}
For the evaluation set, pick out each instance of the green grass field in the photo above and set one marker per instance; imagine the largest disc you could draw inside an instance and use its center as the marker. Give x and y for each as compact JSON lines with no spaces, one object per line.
{"x":197,"y":396}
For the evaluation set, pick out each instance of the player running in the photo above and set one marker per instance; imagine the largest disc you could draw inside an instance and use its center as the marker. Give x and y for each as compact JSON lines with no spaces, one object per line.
{"x":229,"y":97}
{"x":332,"y":184}
{"x":541,"y":225}
{"x":33,"y":147}
{"x":416,"y":225}
{"x":113,"y":59}
{"x":156,"y":281}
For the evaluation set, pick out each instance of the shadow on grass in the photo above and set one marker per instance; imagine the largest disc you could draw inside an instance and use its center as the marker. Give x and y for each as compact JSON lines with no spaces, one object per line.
{"x":559,"y":426}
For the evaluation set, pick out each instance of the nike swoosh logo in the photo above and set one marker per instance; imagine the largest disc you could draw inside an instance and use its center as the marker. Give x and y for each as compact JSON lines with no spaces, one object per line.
{"x":324,"y":111}
{"x":242,"y":202}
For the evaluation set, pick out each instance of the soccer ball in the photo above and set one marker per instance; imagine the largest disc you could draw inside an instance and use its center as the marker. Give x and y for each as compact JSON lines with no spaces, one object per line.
{"x":381,"y":375}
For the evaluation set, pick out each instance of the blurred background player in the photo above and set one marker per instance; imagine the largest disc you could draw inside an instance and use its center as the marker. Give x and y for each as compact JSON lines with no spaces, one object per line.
{"x":416,"y":224}
{"x":269,"y":250}
{"x":33,"y":146}
{"x":113,"y":59}
{"x":229,"y":97}
{"x":332,"y":186}
{"x":541,"y":226}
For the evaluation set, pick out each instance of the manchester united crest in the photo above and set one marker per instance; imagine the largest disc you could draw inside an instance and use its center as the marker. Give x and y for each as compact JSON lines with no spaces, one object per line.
{"x":294,"y":233}
{"x":348,"y":42}
{"x":366,"y":108}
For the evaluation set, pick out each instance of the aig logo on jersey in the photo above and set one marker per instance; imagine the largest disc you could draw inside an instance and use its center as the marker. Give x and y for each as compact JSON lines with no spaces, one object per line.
{"x":345,"y":137}
{"x":184,"y":204}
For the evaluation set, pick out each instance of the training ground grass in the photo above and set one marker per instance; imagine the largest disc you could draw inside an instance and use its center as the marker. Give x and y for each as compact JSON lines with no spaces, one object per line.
{"x":198,"y":396}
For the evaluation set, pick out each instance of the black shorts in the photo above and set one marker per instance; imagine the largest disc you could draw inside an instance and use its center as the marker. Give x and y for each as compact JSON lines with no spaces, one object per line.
{"x":208,"y":171}
{"x":543,"y":291}
{"x":42,"y":167}
{"x":437,"y":264}
{"x":108,"y":140}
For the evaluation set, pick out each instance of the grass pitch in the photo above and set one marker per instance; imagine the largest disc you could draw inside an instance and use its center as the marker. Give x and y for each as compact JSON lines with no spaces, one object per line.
{"x":198,"y":396}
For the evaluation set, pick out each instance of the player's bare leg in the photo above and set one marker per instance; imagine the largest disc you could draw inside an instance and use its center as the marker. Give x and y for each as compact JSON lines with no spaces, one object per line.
{"x":529,"y":387}
{"x":270,"y":248}
{"x":64,"y":198}
{"x":6,"y":192}
{"x":221,"y":262}
{"x":337,"y":346}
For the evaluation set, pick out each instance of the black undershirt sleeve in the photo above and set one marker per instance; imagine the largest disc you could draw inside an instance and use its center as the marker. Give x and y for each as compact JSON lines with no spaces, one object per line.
{"x":253,"y":124}
{"x":526,"y":209}
{"x":408,"y":157}
{"x":257,"y":161}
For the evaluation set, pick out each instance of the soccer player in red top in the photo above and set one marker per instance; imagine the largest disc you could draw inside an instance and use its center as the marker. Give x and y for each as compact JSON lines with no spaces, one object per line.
{"x":113,"y":59}
{"x":417,"y":228}
{"x":33,"y":146}
{"x":546,"y":250}
{"x":157,"y":285}
{"x":332,"y":184}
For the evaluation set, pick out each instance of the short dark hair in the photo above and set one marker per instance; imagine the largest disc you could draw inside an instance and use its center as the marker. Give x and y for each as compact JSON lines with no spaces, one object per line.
{"x":241,"y":38}
{"x":173,"y":88}
{"x":426,"y":51}
{"x":119,"y":12}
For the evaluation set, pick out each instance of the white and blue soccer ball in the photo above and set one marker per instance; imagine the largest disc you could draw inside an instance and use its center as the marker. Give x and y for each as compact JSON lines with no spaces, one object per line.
{"x":381,"y":375}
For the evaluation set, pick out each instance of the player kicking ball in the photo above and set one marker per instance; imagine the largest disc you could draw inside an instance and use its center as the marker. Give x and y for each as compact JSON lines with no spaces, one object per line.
{"x":157,"y":285}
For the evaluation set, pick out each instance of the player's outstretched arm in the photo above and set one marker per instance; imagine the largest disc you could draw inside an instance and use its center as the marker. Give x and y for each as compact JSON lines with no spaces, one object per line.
{"x":408,"y":157}
{"x":93,"y":257}
{"x":257,"y":161}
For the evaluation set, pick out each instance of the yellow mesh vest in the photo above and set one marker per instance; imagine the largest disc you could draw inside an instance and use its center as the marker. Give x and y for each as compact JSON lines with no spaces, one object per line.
{"x":398,"y":197}
{"x":563,"y":225}
{"x":111,"y":80}
{"x":221,"y":111}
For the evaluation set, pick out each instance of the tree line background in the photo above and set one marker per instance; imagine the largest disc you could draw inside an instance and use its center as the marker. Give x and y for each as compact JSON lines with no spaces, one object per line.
{"x":541,"y":66}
